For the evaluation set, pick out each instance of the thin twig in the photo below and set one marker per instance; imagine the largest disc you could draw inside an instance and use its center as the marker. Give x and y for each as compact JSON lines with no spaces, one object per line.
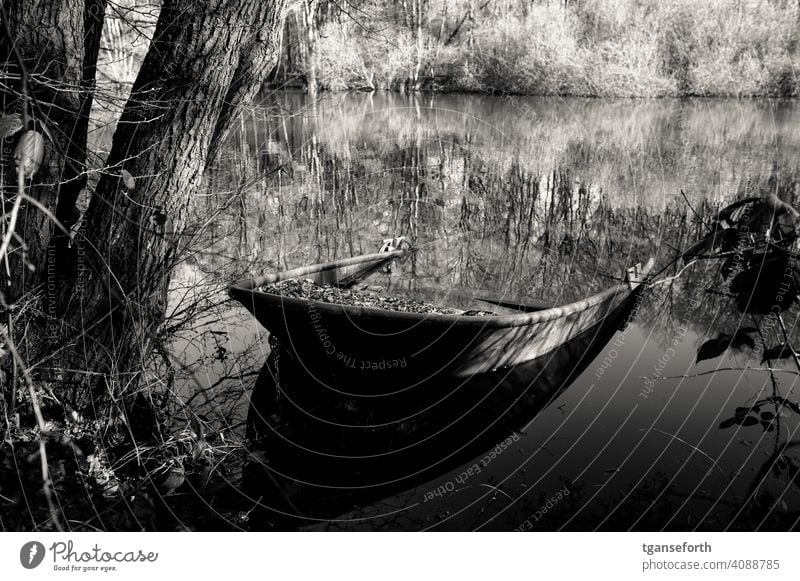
{"x":12,"y":221}
{"x":496,"y":489}
{"x":691,"y":375}
{"x":47,"y":483}
{"x":788,"y":344}
{"x":699,"y":217}
{"x":773,"y":380}
{"x":695,"y":448}
{"x":671,"y":278}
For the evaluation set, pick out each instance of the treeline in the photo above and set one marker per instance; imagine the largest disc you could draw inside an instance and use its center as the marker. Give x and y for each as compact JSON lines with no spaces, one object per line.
{"x":598,"y":48}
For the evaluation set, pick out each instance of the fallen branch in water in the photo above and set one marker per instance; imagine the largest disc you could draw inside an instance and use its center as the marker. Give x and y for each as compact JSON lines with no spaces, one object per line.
{"x":691,"y":375}
{"x":671,"y":278}
{"x":696,"y":449}
{"x":496,"y":489}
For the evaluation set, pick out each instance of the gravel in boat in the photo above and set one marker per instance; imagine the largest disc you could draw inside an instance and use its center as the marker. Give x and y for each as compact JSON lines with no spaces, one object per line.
{"x":363,"y":296}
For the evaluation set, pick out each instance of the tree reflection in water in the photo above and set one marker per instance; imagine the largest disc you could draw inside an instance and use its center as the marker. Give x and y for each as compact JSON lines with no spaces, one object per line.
{"x":549,"y":206}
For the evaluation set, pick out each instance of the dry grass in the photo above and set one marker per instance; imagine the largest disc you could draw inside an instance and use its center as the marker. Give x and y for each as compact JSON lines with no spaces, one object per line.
{"x":598,"y":48}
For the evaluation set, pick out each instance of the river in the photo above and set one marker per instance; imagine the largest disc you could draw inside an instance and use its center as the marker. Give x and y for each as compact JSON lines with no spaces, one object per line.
{"x":546,"y":198}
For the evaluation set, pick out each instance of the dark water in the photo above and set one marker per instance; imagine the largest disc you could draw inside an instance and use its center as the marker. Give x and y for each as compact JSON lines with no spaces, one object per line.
{"x":538,"y":198}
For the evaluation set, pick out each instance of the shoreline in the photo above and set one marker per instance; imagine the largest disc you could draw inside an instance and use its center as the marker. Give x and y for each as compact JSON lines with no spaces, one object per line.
{"x":272,"y":88}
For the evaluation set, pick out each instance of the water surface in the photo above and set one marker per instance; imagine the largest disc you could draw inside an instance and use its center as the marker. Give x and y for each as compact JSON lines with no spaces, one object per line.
{"x":539,"y":198}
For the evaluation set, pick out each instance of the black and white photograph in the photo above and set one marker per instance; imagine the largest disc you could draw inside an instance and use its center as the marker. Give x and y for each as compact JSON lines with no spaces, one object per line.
{"x":304,"y":266}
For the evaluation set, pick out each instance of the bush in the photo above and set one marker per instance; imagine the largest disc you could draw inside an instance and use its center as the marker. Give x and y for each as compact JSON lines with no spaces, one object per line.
{"x":608,"y":48}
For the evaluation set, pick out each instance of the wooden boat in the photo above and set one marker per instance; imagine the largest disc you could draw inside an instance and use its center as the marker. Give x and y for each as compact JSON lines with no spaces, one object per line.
{"x":374,"y":347}
{"x":325,"y":452}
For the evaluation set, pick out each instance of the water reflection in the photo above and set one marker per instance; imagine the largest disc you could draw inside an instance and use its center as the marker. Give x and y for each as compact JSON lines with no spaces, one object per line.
{"x":551,"y":200}
{"x":578,"y":181}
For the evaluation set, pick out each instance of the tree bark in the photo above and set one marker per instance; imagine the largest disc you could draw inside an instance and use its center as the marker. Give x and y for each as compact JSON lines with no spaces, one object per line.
{"x":312,"y":58}
{"x":255,"y":62}
{"x":205,"y":63}
{"x":417,"y":33}
{"x":58,"y":43}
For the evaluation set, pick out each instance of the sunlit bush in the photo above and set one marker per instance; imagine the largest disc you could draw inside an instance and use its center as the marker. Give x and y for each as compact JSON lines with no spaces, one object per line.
{"x":624,"y":48}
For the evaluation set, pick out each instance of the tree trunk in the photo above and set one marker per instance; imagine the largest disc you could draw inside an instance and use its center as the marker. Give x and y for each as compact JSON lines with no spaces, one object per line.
{"x":312,"y":58}
{"x":418,"y":16}
{"x":206,"y":62}
{"x":58,"y":43}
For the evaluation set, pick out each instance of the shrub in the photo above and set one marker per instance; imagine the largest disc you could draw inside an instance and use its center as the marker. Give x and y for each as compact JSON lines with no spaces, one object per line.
{"x":609,"y":48}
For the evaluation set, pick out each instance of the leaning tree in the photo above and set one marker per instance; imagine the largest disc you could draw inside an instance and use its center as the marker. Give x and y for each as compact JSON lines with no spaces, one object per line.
{"x":98,"y":290}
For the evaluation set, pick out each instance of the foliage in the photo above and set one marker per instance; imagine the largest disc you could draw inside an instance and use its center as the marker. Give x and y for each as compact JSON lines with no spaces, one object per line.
{"x":599,"y":48}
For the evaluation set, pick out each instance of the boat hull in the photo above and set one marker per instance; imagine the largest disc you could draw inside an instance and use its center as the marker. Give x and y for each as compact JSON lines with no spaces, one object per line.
{"x":382,"y":349}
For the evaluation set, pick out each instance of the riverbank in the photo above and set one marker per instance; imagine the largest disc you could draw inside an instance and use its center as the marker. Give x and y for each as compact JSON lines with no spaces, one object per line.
{"x":592,"y":48}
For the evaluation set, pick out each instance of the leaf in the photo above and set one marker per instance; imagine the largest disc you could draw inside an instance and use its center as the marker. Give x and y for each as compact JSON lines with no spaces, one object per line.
{"x":728,"y":267}
{"x":767,"y":416}
{"x":10,"y":124}
{"x":713,"y":348}
{"x":199,"y":449}
{"x":196,"y":426}
{"x":750,"y":421}
{"x":742,"y":337}
{"x":728,"y":423}
{"x":778,"y":352}
{"x":221,"y":353}
{"x":734,"y":212}
{"x":127,"y":179}
{"x":716,"y":347}
{"x":731,"y":239}
{"x":46,"y":130}
{"x":29,"y":152}
{"x":757,"y":286}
